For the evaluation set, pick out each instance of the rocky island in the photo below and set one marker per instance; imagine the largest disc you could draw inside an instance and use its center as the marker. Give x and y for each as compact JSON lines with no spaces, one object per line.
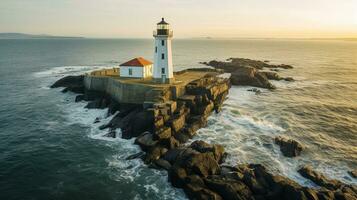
{"x":163,"y":117}
{"x":250,"y":72}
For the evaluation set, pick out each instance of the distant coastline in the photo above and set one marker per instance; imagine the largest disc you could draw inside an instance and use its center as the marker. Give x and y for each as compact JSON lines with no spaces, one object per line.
{"x":33,"y":36}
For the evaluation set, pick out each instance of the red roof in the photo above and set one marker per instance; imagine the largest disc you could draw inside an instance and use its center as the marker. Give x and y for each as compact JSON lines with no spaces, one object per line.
{"x":137,"y":62}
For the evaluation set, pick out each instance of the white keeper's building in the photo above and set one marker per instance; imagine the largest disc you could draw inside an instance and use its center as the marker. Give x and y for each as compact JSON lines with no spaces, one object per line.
{"x":136,"y":68}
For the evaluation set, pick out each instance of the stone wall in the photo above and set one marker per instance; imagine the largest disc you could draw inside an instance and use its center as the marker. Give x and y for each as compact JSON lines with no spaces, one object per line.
{"x":126,"y":92}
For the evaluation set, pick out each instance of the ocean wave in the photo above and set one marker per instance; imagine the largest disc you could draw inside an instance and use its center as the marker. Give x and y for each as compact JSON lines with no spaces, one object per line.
{"x":120,"y":169}
{"x":247,"y":128}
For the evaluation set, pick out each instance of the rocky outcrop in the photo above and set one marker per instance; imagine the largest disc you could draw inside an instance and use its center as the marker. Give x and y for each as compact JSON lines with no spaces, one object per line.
{"x":70,"y":83}
{"x":289,"y":147}
{"x":162,"y":130}
{"x":244,"y":62}
{"x":353,"y":173}
{"x":338,"y":189}
{"x":247,"y":72}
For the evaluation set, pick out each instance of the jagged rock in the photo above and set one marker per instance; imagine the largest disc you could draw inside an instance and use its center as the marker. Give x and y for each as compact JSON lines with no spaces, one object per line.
{"x":205,"y":110}
{"x":141,"y":122}
{"x":97,"y":120}
{"x":228,"y":188}
{"x":194,"y":123}
{"x":325,"y":195}
{"x":111,"y":134}
{"x":104,"y":126}
{"x":319,"y":179}
{"x":163,"y":133}
{"x":271,"y":75}
{"x":216,"y":150}
{"x":99,"y":103}
{"x":172,"y":154}
{"x":218,"y":102}
{"x":135,"y":156}
{"x":195,"y":188}
{"x":177,"y":176}
{"x":125,"y":123}
{"x":202,"y":164}
{"x":146,"y":141}
{"x":255,"y":90}
{"x":113,"y":107}
{"x":79,"y":98}
{"x":311,"y":194}
{"x":171,"y":143}
{"x":250,"y":76}
{"x":289,"y":147}
{"x":182,"y":137}
{"x":178,"y":123}
{"x":353,"y":173}
{"x":158,"y":123}
{"x":246,"y":71}
{"x":197,"y":192}
{"x":189,"y":100}
{"x":289,"y":79}
{"x":71,"y":83}
{"x":163,"y":164}
{"x":172,"y":105}
{"x":154,"y":153}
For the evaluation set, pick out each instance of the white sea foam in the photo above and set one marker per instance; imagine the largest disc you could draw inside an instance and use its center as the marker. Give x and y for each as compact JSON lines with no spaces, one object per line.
{"x":69,"y":70}
{"x":248,"y":136}
{"x":132,"y":171}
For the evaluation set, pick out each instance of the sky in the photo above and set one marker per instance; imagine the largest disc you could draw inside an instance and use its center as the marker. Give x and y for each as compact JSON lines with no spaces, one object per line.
{"x":188,"y":18}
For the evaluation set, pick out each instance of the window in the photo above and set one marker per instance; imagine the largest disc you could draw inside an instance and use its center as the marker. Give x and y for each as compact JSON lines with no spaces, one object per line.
{"x":162,"y":42}
{"x":162,"y":70}
{"x":155,"y":49}
{"x":162,"y":56}
{"x":130,"y":71}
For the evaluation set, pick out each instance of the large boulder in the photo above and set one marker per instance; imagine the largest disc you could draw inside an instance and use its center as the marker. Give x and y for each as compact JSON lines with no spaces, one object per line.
{"x":203,"y":164}
{"x":154,"y":153}
{"x":163,"y":133}
{"x":228,"y":188}
{"x":319,"y":179}
{"x":172,"y":154}
{"x":141,"y":122}
{"x":353,"y":173}
{"x":272,"y":75}
{"x":178,"y":123}
{"x":289,"y":147}
{"x":250,"y":76}
{"x":161,"y":163}
{"x":177,"y":176}
{"x":146,"y":141}
{"x":195,"y":188}
{"x":71,"y":83}
{"x":216,"y":149}
{"x":194,"y":162}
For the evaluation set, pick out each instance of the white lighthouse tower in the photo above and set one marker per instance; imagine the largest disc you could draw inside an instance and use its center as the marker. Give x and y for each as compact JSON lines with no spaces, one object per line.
{"x":163,"y":69}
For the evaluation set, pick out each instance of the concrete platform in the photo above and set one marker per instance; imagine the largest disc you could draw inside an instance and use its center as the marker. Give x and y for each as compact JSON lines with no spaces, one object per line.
{"x":135,"y":90}
{"x":180,"y":78}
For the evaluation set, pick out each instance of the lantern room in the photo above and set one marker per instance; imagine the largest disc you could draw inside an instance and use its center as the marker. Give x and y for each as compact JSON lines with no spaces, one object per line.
{"x":163,"y":28}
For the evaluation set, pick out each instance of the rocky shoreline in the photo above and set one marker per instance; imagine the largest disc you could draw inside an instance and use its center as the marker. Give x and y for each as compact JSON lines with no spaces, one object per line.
{"x":163,"y":129}
{"x":250,"y":72}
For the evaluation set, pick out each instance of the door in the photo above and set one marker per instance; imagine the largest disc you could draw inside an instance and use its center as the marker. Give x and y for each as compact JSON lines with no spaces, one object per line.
{"x":163,"y":78}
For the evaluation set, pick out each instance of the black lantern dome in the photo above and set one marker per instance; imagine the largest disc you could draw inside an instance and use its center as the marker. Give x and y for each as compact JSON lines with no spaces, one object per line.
{"x":163,"y":27}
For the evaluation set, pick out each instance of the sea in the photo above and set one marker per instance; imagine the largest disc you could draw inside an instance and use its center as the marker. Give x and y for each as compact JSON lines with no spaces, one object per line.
{"x":50,"y":147}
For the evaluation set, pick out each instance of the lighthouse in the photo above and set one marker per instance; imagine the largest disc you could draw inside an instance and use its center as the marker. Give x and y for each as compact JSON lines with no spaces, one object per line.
{"x":163,"y":69}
